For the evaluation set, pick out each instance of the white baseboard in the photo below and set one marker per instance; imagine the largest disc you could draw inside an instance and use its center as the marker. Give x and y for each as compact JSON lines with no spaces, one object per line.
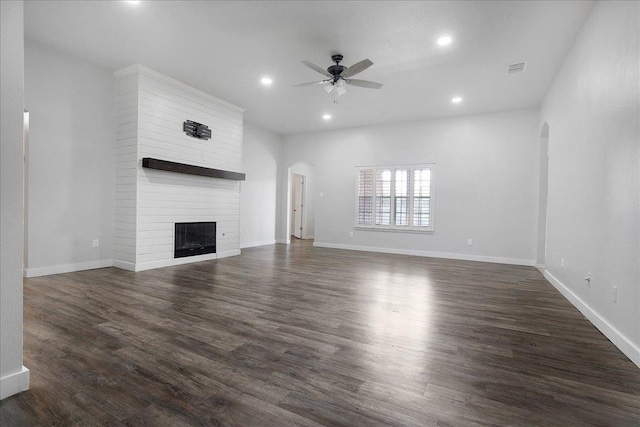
{"x":540,"y":267}
{"x":307,"y":237}
{"x":174,"y":261}
{"x":623,"y":343}
{"x":67,"y":268}
{"x":125,"y":265}
{"x":14,"y":383}
{"x":254,"y":244}
{"x":283,"y":241}
{"x":226,"y":254}
{"x":464,"y":257}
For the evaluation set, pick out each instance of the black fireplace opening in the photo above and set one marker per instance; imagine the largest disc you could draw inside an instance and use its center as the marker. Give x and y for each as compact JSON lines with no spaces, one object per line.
{"x":194,"y":238}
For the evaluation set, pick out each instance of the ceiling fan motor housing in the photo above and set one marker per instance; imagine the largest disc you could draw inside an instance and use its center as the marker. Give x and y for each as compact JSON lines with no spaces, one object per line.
{"x":336,"y":70}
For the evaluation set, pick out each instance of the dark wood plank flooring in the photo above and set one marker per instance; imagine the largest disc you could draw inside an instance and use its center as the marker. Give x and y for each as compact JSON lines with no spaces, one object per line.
{"x":303,"y":336}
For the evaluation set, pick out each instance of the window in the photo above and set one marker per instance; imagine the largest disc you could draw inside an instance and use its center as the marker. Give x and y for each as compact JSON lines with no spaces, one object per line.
{"x":395,"y":197}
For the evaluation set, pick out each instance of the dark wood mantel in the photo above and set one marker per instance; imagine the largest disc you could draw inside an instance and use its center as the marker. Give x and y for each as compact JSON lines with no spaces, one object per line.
{"x":165,"y":165}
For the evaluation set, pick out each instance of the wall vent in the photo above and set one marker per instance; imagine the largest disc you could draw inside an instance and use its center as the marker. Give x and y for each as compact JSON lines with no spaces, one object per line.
{"x":518,"y":67}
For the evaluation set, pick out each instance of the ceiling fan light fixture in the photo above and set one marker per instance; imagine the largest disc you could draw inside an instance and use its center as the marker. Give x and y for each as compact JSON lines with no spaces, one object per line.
{"x":328,"y":87}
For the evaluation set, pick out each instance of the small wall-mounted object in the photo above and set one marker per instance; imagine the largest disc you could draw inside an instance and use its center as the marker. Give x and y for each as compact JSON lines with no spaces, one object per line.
{"x":196,"y":130}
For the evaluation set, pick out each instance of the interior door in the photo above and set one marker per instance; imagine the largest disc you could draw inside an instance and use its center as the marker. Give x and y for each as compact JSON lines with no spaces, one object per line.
{"x":298,"y":206}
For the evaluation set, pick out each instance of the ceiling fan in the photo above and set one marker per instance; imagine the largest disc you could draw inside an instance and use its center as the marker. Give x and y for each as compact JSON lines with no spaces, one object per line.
{"x":339,"y":76}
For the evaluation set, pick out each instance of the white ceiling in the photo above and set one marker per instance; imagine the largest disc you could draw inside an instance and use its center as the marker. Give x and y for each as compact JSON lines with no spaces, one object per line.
{"x":224,"y":48}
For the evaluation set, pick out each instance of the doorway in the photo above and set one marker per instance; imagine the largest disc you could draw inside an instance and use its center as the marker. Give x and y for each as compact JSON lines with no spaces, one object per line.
{"x":297,"y":205}
{"x":299,"y":222}
{"x":25,"y":196}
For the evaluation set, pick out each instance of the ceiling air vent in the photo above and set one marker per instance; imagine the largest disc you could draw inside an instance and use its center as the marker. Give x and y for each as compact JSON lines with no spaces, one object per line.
{"x":516,"y":68}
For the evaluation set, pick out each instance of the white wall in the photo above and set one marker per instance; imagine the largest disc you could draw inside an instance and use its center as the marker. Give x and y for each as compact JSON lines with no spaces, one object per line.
{"x":151,"y":111}
{"x":71,"y":162}
{"x":485,"y":184}
{"x":14,"y":377}
{"x":593,"y":112}
{"x":261,"y":150}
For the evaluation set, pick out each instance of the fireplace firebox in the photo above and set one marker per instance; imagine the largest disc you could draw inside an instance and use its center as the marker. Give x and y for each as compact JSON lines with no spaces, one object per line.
{"x":194,"y":238}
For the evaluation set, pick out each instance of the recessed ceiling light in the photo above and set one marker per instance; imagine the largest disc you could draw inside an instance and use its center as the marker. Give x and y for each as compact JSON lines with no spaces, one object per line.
{"x":326,"y":116}
{"x":266,"y":81}
{"x":456,"y":99}
{"x":444,"y":41}
{"x":133,"y":1}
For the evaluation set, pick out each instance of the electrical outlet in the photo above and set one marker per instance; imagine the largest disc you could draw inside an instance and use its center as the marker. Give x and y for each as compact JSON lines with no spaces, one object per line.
{"x":321,"y":194}
{"x":562,"y":262}
{"x":96,"y":243}
{"x":614,"y":294}
{"x":245,"y":231}
{"x":470,"y":242}
{"x":351,"y":234}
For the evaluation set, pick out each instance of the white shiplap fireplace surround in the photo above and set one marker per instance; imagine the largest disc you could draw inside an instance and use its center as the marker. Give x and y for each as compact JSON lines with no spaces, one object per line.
{"x":151,"y":109}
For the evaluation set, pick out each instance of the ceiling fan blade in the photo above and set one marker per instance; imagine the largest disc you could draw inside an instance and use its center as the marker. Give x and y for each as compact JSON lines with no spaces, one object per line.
{"x":356,"y":68}
{"x":364,"y":83}
{"x":310,"y":83}
{"x":317,"y":68}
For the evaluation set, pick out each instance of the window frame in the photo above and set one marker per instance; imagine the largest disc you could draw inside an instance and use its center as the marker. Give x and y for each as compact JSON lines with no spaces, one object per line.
{"x":396,"y":228}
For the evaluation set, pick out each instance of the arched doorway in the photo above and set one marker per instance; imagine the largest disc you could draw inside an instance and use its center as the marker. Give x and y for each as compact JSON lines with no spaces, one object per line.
{"x":297,"y":225}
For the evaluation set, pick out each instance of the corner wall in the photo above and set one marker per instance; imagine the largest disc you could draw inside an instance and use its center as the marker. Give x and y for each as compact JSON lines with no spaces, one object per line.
{"x":486,"y":184}
{"x":262,"y":151}
{"x":593,"y":216}
{"x":14,"y":377}
{"x":71,"y":158}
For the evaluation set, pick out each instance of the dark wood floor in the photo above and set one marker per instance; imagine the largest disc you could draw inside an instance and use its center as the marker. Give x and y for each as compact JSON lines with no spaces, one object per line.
{"x":307,"y":336}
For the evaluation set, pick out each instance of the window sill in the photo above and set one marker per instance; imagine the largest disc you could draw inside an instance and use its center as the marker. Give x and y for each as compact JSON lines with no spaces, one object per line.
{"x":394,"y":230}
